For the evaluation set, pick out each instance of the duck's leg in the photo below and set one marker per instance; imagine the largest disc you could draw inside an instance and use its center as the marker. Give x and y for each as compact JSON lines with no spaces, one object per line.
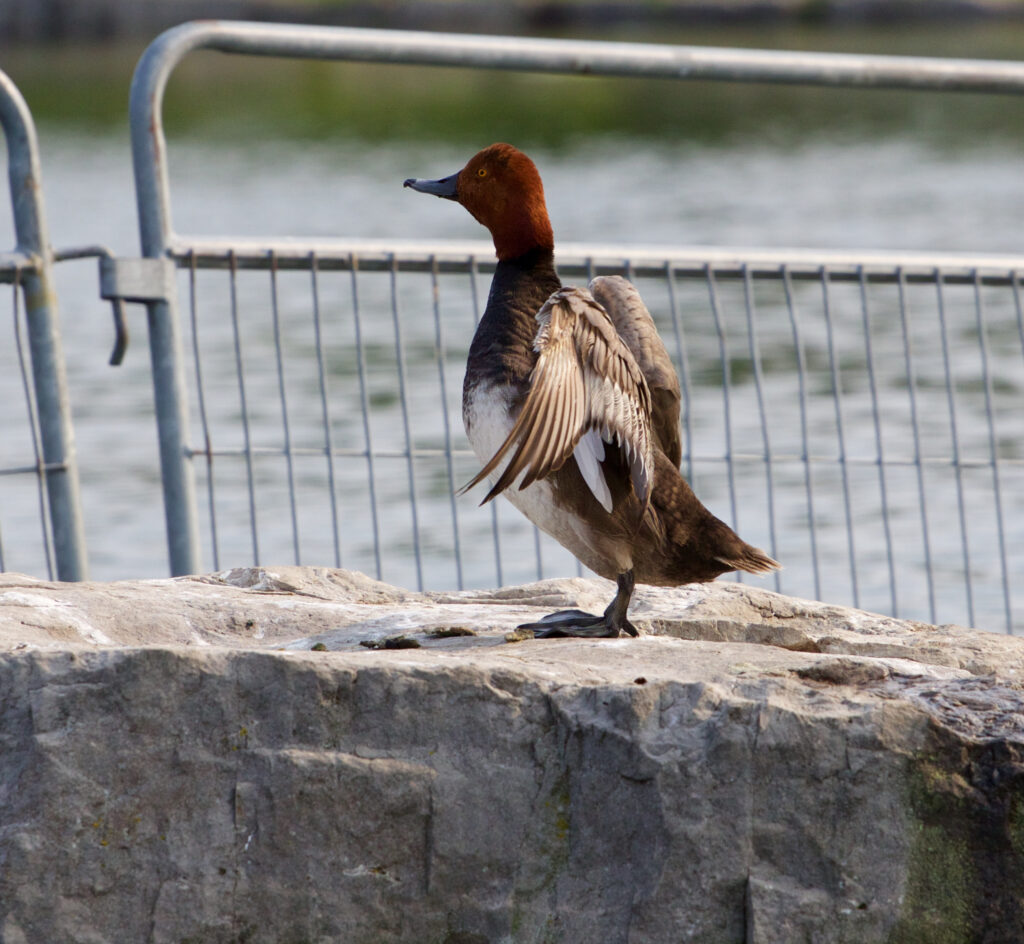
{"x":578,"y":623}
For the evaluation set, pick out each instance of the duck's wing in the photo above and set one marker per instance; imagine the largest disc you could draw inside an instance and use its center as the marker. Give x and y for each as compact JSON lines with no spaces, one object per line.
{"x":635,"y":326}
{"x":586,"y":389}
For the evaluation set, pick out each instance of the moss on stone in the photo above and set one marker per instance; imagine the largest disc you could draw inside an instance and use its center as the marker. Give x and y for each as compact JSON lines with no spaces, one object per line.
{"x":938,"y":900}
{"x":967,"y":829}
{"x":1016,"y":825}
{"x":553,"y":838}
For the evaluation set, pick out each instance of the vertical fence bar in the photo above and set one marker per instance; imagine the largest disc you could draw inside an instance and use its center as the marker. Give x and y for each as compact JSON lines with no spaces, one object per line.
{"x":684,"y":368}
{"x":538,"y":551}
{"x":755,"y":360}
{"x":801,"y":372}
{"x":33,"y":425}
{"x":723,"y":354}
{"x":325,"y":411}
{"x":993,"y":445}
{"x":44,"y":341}
{"x":403,"y":397}
{"x":449,"y":449}
{"x":364,"y":399}
{"x":243,"y":400}
{"x":908,"y":356}
{"x":289,"y":458}
{"x":954,"y":433}
{"x":844,"y":469}
{"x":880,"y":452}
{"x":203,"y":415}
{"x":1018,"y":305}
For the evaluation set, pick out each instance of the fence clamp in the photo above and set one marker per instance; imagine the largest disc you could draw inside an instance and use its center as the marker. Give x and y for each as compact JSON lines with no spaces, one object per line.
{"x":133,"y":280}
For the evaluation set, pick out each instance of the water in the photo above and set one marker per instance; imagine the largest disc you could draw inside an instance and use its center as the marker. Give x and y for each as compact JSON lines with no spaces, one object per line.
{"x":904,"y":191}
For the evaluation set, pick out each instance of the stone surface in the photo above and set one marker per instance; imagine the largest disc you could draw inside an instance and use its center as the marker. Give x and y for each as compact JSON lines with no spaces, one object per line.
{"x":179,"y":764}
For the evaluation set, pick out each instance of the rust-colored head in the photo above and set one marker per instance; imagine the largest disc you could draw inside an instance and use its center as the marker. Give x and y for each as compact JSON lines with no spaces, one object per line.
{"x":500,"y":186}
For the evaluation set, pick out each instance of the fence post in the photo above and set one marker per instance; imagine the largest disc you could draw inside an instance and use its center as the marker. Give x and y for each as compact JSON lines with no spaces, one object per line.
{"x":48,"y":375}
{"x":165,"y":347}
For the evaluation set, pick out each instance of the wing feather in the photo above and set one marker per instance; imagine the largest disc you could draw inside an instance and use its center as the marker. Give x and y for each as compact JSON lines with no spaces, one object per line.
{"x":635,"y":327}
{"x":589,"y":455}
{"x":585,"y":379}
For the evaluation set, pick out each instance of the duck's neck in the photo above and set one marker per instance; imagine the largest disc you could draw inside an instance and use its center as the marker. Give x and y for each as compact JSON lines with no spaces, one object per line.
{"x":502,"y":349}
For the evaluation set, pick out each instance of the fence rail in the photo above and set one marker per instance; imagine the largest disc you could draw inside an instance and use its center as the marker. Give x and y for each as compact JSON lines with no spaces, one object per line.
{"x":579,"y":259}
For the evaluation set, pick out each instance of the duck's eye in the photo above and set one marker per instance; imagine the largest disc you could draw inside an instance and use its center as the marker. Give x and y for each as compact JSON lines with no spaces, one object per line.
{"x":481,"y":172}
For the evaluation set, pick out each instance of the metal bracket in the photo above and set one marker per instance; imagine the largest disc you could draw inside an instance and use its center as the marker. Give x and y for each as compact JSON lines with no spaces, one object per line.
{"x":125,"y":280}
{"x":136,"y":280}
{"x":132,"y":280}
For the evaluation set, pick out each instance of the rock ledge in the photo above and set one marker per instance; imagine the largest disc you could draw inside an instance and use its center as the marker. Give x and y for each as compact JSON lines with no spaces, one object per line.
{"x":179,"y":763}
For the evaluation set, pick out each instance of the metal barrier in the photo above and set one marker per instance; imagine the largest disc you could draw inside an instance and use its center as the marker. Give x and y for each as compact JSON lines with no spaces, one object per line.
{"x":324,"y":376}
{"x":38,"y":451}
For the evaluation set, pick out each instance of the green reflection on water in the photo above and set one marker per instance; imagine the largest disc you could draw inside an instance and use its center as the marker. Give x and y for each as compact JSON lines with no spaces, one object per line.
{"x":213,"y":95}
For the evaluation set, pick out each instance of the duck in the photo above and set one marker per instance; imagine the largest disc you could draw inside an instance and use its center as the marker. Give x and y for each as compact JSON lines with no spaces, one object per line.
{"x":571,"y":404}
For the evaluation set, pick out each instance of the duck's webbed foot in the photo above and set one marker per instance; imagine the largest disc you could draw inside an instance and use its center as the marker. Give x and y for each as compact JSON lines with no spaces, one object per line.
{"x":577,"y":623}
{"x":587,"y":625}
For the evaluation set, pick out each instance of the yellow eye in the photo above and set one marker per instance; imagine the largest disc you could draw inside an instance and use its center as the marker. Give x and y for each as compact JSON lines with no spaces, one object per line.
{"x":481,"y":172}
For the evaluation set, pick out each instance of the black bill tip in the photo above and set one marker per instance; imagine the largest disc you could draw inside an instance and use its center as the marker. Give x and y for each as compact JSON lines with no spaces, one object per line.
{"x":445,"y":187}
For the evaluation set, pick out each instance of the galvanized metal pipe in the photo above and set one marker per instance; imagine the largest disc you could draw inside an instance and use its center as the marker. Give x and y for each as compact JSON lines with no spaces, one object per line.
{"x":514,"y":53}
{"x":165,"y":346}
{"x":583,"y":259}
{"x":48,"y":373}
{"x":575,"y":57}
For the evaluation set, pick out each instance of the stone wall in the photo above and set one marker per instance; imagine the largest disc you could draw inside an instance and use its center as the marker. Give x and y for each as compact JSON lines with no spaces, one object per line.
{"x":179,"y":763}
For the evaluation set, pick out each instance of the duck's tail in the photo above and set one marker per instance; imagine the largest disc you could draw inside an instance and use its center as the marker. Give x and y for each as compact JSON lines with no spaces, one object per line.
{"x":735,"y":554}
{"x":751,"y":559}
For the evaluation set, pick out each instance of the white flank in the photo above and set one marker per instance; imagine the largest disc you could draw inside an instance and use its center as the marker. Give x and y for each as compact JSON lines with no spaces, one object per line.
{"x":488,"y":423}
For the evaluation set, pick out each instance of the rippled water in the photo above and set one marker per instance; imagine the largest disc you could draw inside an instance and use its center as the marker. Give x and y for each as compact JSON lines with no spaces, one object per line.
{"x":894,"y":193}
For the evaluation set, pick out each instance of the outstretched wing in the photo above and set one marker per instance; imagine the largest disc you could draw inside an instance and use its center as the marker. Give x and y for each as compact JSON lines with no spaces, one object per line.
{"x":633,"y":323}
{"x":586,"y":385}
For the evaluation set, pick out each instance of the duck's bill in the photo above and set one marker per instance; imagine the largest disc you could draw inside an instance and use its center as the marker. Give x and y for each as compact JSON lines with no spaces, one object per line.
{"x":445,"y":187}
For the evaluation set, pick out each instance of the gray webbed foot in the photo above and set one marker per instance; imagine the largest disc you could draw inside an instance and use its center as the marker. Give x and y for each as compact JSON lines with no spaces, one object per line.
{"x":576,"y":623}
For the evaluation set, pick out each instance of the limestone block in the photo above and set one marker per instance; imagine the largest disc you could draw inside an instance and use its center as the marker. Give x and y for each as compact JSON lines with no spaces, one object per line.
{"x":178,"y":763}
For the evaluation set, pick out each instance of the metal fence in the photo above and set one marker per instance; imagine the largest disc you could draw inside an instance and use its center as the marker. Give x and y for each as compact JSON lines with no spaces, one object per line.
{"x":40,"y":506}
{"x":857,"y":418}
{"x":856,"y":415}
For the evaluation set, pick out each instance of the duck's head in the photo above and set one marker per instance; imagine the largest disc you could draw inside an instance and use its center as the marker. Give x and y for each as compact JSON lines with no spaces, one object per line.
{"x":500,"y":186}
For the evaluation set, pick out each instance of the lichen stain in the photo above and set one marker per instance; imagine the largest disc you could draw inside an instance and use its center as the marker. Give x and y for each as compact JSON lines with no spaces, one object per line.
{"x":938,"y":898}
{"x":965,"y":878}
{"x":554,"y":828}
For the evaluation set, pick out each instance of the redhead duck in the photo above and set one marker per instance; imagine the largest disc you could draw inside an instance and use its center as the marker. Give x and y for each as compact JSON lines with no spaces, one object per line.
{"x":571,"y":401}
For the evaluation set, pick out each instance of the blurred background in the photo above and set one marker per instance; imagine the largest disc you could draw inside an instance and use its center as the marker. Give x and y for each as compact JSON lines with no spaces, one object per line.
{"x":264,"y":146}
